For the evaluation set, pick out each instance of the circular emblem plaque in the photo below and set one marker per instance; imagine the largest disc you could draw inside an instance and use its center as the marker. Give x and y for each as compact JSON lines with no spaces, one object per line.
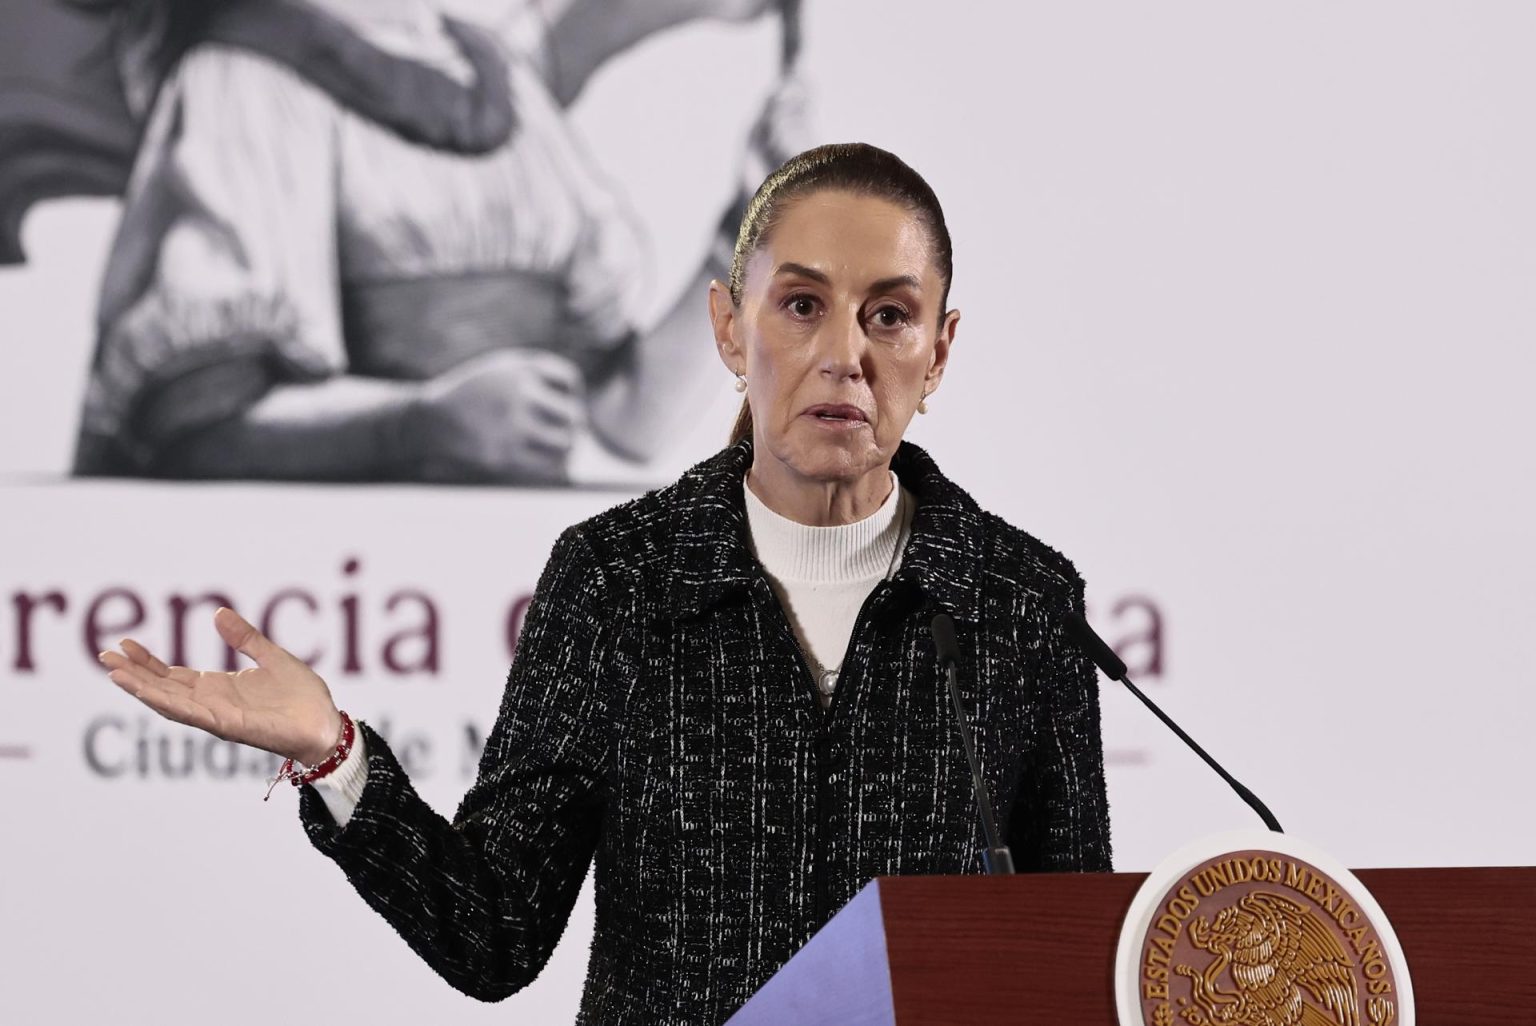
{"x":1256,"y":929}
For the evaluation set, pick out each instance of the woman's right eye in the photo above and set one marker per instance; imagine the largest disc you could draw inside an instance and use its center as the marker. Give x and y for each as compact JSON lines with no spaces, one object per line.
{"x":801,"y":305}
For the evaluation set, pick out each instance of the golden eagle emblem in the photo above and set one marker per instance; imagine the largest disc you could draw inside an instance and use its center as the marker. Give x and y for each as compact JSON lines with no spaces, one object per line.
{"x":1285,"y":966}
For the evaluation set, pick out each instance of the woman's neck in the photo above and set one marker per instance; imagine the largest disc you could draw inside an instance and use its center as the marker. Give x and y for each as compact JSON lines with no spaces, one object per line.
{"x":817,"y":503}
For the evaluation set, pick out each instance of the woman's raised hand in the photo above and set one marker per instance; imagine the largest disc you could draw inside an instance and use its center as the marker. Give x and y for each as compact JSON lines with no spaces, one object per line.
{"x":279,"y":705}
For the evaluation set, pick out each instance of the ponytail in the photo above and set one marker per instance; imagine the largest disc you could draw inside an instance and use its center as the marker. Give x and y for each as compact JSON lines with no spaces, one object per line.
{"x":742,"y":429}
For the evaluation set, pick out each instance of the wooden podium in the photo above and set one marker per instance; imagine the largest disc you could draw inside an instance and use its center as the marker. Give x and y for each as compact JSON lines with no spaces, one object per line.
{"x":1040,"y":948}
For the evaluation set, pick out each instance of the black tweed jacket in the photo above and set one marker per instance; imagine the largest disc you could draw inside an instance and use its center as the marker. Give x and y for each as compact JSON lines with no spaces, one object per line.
{"x":659,"y":714}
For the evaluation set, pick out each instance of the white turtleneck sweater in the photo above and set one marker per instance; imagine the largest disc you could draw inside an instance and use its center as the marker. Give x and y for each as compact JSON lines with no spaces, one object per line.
{"x":821,"y":575}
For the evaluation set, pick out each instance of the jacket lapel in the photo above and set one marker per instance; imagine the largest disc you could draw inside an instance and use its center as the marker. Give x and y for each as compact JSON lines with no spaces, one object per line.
{"x":712,"y":559}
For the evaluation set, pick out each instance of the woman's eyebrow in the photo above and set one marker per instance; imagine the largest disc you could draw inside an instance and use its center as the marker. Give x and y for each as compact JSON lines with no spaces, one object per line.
{"x":803,"y":271}
{"x":883,"y":285}
{"x":896,"y":282}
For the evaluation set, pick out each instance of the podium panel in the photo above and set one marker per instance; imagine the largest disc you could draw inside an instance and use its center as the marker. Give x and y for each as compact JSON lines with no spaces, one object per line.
{"x":949,"y":950}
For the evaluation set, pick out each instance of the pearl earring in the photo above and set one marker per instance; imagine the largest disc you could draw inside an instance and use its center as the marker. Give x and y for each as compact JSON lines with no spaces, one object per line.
{"x":741,"y":382}
{"x":922,"y":404}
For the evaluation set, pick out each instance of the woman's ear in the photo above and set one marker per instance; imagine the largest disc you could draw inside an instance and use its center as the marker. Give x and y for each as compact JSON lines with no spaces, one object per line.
{"x":941,"y":346}
{"x":722,"y":316}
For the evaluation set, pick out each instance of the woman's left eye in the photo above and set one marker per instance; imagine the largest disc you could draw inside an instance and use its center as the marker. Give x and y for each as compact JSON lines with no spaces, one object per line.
{"x":890,"y":317}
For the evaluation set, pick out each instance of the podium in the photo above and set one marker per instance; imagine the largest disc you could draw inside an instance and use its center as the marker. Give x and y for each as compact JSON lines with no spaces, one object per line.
{"x":1040,"y":948}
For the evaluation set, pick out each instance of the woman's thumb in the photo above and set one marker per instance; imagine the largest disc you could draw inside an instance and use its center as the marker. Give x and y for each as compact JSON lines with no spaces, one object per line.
{"x":240,"y":635}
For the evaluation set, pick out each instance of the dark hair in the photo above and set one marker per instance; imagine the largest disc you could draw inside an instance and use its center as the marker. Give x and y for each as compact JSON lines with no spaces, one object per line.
{"x":852,"y":167}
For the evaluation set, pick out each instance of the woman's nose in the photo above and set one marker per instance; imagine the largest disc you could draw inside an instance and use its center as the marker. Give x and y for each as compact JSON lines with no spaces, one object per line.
{"x":843,"y":346}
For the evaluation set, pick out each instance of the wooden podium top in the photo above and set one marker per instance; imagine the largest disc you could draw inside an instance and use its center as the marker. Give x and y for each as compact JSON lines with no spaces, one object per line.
{"x":1041,"y":948}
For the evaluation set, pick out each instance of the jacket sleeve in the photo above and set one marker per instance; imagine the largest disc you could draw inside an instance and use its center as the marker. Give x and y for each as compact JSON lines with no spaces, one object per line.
{"x":1060,"y":820}
{"x":483,"y":899}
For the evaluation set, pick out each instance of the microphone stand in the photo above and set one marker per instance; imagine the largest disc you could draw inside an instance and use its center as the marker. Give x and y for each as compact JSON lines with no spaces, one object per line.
{"x":997,"y":858}
{"x":1114,"y":668}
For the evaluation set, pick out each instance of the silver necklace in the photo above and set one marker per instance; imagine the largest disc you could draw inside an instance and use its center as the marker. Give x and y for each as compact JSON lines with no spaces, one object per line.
{"x":826,"y":676}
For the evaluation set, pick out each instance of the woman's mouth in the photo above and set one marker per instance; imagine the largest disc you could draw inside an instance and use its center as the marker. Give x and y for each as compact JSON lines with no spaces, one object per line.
{"x":842,"y":416}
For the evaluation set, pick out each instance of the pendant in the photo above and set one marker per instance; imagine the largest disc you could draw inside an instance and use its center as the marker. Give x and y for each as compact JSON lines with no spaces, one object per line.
{"x":827,"y":682}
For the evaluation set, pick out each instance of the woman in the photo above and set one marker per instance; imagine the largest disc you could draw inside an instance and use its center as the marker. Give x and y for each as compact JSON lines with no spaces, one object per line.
{"x":362,"y":242}
{"x":726,"y":688}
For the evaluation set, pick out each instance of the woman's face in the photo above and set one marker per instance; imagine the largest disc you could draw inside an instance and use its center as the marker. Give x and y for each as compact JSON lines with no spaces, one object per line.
{"x":839,"y":333}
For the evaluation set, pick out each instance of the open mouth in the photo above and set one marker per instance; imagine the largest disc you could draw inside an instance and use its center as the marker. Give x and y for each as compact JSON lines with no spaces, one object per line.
{"x":837,"y":413}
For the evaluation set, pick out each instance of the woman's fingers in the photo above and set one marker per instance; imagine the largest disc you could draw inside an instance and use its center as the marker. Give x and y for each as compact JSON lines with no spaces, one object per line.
{"x":144,"y":657}
{"x":557,"y":409}
{"x":152,"y":669}
{"x":130,"y":676}
{"x":176,"y":706}
{"x":117,"y":661}
{"x":169,"y":700}
{"x":546,"y":444}
{"x":557,"y":392}
{"x":555,"y":371}
{"x":182,"y":675}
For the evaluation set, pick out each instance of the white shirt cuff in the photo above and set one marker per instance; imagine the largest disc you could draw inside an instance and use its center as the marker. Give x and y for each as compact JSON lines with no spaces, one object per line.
{"x":342,"y":788}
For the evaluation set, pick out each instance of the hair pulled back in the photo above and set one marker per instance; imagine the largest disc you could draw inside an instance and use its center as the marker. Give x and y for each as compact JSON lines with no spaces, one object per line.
{"x":851,"y":167}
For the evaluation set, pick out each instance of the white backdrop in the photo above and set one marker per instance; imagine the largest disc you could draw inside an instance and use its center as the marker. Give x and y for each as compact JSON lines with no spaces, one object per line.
{"x":1247,"y":331}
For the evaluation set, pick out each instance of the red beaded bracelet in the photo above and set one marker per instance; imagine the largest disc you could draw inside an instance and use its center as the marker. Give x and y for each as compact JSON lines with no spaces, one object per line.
{"x":291,"y":774}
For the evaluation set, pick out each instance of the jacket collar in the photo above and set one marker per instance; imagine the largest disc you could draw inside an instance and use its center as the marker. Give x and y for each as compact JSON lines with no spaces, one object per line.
{"x":712,"y":558}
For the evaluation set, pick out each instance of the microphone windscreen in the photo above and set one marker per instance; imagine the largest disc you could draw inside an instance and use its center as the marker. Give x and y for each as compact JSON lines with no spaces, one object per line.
{"x":943,"y":628}
{"x":1103,"y":656}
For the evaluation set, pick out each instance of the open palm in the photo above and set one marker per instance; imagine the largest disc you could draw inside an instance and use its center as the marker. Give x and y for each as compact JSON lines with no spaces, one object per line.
{"x":279,"y":705}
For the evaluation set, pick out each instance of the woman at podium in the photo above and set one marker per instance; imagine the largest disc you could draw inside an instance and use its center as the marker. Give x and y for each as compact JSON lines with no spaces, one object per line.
{"x":725,"y":691}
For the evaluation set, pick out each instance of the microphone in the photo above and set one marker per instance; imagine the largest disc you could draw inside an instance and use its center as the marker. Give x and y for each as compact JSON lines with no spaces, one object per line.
{"x":997,"y":858}
{"x":1114,"y":668}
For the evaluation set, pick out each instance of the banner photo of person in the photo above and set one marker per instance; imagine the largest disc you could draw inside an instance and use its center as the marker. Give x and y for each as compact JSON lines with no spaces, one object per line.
{"x":339,"y":312}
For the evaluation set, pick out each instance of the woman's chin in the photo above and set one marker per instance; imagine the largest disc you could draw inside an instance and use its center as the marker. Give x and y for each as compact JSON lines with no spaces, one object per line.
{"x":839,"y":460}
